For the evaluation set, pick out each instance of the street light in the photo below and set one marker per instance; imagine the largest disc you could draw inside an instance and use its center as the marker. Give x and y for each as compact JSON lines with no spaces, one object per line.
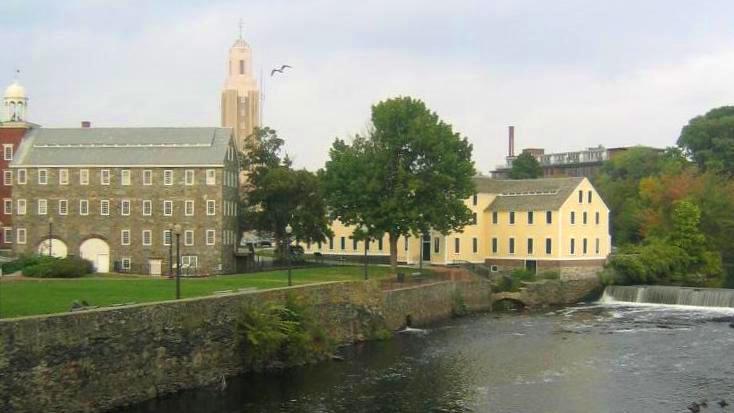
{"x":288,"y":232}
{"x":177,"y":230}
{"x":50,"y":234}
{"x":365,"y":230}
{"x":170,"y":250}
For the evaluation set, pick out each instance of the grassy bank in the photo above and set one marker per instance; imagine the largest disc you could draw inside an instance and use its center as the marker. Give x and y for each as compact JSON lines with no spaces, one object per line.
{"x":45,"y":296}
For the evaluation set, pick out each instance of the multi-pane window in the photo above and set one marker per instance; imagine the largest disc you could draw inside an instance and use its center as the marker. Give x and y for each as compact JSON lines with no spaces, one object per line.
{"x":189,"y":208}
{"x":581,"y":197}
{"x":168,"y":177}
{"x":22,"y":176}
{"x":21,"y":207}
{"x":573,"y":246}
{"x":83,"y":207}
{"x":125,"y":263}
{"x":147,"y":237}
{"x":125,"y":177}
{"x":589,"y":200}
{"x":63,"y":177}
{"x":168,"y":208}
{"x":548,"y":217}
{"x":63,"y":207}
{"x":147,"y":207}
{"x":189,"y":177}
{"x":211,"y":207}
{"x":167,"y":237}
{"x":457,"y":245}
{"x":573,"y":217}
{"x":584,"y":216}
{"x":8,"y":178}
{"x":20,"y":238}
{"x":104,"y":177}
{"x":42,"y":177}
{"x":8,"y":235}
{"x":548,"y":246}
{"x":494,"y":245}
{"x":104,"y":207}
{"x":530,"y":246}
{"x":189,"y":237}
{"x":189,"y":261}
{"x":125,"y":237}
{"x":8,"y":152}
{"x":7,"y":206}
{"x":125,"y":207}
{"x":84,"y":177}
{"x":512,"y":217}
{"x":512,"y":245}
{"x":211,"y":177}
{"x":342,"y":243}
{"x":596,"y":246}
{"x":42,"y":207}
{"x":147,"y":177}
{"x":436,"y":245}
{"x":596,"y":218}
{"x":494,"y":217}
{"x":584,"y":246}
{"x":210,"y":236}
{"x":474,"y":245}
{"x":530,"y":217}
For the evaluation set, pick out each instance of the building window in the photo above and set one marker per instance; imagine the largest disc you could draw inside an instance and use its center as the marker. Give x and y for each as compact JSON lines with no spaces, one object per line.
{"x":512,"y":245}
{"x":573,"y":217}
{"x":596,"y":246}
{"x":147,"y":237}
{"x":168,"y":177}
{"x":8,"y":152}
{"x":21,"y":207}
{"x":147,"y":177}
{"x":42,"y":207}
{"x":211,"y":177}
{"x":189,"y":261}
{"x":42,"y":177}
{"x":189,"y":175}
{"x":530,"y":217}
{"x":210,"y":236}
{"x":474,"y":200}
{"x":167,"y":237}
{"x":548,"y":246}
{"x":7,"y":206}
{"x":189,"y":237}
{"x":8,"y":235}
{"x":242,"y":67}
{"x":104,"y":177}
{"x":125,"y":177}
{"x":63,"y":207}
{"x":189,"y":208}
{"x":83,"y":207}
{"x":494,"y":245}
{"x":573,"y":246}
{"x":84,"y":177}
{"x":104,"y":207}
{"x":474,"y":245}
{"x":343,"y":243}
{"x":512,"y":217}
{"x":581,"y":197}
{"x":474,"y":218}
{"x":457,"y":245}
{"x":436,"y":245}
{"x":20,"y":238}
{"x":331,"y":243}
{"x":354,"y":244}
{"x":584,"y":217}
{"x":125,"y":207}
{"x":596,"y":218}
{"x":406,"y":243}
{"x":22,"y":176}
{"x":589,"y":197}
{"x":584,"y":246}
{"x":8,"y":178}
{"x":379,"y":244}
{"x":211,"y":207}
{"x":125,"y":237}
{"x":530,"y":246}
{"x":147,"y":207}
{"x":125,"y":263}
{"x":168,"y":208}
{"x":494,"y":217}
{"x":548,"y":217}
{"x":63,"y":177}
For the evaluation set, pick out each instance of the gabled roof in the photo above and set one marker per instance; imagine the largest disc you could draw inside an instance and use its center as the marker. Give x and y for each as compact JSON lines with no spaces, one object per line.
{"x":124,"y":147}
{"x":527,"y":194}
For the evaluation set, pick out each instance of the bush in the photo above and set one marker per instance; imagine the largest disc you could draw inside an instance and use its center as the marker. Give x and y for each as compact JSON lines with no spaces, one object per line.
{"x":52,"y":267}
{"x":550,"y":275}
{"x":25,"y":260}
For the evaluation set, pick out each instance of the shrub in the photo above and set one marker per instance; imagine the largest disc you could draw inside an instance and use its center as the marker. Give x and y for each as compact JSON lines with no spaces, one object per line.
{"x":52,"y":267}
{"x":551,"y":275}
{"x":24,"y":260}
{"x":458,"y":304}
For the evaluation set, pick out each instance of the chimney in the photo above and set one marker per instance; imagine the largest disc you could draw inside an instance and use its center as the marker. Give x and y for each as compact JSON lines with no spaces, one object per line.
{"x":511,"y":149}
{"x":86,"y":124}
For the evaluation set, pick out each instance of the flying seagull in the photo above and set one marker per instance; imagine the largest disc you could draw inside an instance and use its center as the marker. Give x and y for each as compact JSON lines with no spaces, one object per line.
{"x":283,"y":67}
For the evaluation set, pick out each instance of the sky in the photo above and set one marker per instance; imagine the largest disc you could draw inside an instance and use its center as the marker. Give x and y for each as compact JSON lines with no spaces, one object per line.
{"x":568,"y":74}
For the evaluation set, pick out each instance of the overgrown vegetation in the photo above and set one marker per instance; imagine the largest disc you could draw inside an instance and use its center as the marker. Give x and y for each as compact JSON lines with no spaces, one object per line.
{"x":458,"y":304}
{"x":43,"y":266}
{"x":274,"y":335}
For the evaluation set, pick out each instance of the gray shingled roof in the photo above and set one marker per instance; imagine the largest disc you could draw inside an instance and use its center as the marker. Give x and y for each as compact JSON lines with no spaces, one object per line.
{"x":123,"y":147}
{"x":527,"y":194}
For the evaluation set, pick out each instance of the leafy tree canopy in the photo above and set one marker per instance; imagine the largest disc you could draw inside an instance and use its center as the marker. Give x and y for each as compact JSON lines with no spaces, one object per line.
{"x":709,"y":140}
{"x":525,"y":166}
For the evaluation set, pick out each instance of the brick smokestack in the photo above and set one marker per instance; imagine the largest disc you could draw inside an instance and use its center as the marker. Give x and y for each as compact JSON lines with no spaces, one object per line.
{"x":511,"y":148}
{"x":86,"y":124}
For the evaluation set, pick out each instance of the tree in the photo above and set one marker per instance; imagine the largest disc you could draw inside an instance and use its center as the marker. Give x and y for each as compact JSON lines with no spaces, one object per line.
{"x":525,"y":166}
{"x":709,"y":140}
{"x":276,"y":195}
{"x":410,"y":174}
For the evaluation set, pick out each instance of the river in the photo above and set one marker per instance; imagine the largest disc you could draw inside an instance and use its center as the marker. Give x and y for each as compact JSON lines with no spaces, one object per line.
{"x":590,"y":358}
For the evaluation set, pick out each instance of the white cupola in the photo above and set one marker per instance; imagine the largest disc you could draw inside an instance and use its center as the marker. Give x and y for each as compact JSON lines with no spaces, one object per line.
{"x":15,"y":103}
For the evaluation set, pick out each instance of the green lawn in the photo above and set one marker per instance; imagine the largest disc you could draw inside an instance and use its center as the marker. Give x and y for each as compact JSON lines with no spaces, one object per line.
{"x":45,"y":296}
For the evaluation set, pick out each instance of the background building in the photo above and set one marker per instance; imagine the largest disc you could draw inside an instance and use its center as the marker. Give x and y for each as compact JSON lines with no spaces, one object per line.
{"x":113,"y":195}
{"x":241,"y":95}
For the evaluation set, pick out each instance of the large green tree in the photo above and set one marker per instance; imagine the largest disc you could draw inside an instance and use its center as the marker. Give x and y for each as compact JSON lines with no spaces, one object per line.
{"x":411,"y":173}
{"x":525,"y":166}
{"x":276,"y":195}
{"x":709,"y":140}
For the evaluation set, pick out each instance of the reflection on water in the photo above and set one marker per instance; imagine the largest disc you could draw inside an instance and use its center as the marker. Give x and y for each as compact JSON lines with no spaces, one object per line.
{"x":597,"y":358}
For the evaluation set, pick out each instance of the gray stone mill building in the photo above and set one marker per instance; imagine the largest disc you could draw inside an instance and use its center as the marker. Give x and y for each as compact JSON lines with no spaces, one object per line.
{"x":114,"y":195}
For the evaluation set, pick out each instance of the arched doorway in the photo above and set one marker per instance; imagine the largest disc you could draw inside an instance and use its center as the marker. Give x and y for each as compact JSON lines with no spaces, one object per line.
{"x":97,"y":251}
{"x":57,"y":246}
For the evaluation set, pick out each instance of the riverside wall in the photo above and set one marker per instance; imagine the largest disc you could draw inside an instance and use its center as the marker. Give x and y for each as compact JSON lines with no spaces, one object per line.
{"x":96,"y":360}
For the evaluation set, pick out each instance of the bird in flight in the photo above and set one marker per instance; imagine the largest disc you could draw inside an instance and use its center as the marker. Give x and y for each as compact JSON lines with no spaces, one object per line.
{"x":282,"y":67}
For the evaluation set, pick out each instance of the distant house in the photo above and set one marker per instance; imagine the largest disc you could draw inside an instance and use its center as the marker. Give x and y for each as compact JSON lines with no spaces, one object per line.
{"x":115,"y":196}
{"x":557,"y":224}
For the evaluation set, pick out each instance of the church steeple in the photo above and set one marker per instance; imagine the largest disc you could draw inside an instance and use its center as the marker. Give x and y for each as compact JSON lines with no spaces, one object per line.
{"x":241,"y":96}
{"x":15,"y":102}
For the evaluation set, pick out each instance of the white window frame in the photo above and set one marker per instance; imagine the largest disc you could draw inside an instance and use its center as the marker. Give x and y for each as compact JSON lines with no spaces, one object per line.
{"x":147,"y":207}
{"x":83,"y":207}
{"x":104,"y":204}
{"x":125,"y":233}
{"x":84,"y":177}
{"x":43,"y":172}
{"x":187,"y":203}
{"x":8,"y":151}
{"x":24,"y":174}
{"x":125,"y":207}
{"x":104,"y":177}
{"x":8,"y":235}
{"x":125,"y":263}
{"x":21,"y":207}
{"x":8,"y":177}
{"x":149,"y":234}
{"x":63,"y":207}
{"x":211,"y":236}
{"x":211,"y":207}
{"x":63,"y":176}
{"x":42,"y":207}
{"x":211,"y":177}
{"x":168,"y":177}
{"x":8,"y":206}
{"x":190,"y":177}
{"x":147,"y":177}
{"x":125,"y":178}
{"x":188,"y":260}
{"x":168,"y":208}
{"x":167,"y":237}
{"x":189,"y":238}
{"x":21,"y":236}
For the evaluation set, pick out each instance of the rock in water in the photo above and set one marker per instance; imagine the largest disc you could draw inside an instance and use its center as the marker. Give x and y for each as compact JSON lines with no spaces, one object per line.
{"x":723,"y":403}
{"x":694,"y":407}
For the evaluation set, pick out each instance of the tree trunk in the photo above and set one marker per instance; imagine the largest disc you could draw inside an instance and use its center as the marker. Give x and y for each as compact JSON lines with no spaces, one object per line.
{"x":394,"y":253}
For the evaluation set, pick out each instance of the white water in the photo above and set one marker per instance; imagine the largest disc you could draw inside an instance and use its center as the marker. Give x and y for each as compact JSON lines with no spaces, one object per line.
{"x":671,"y":296}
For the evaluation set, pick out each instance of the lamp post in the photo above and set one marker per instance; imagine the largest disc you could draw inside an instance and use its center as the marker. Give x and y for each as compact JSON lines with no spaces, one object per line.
{"x":365,"y":230}
{"x":177,"y":229}
{"x":50,"y":235}
{"x":288,"y":232}
{"x":170,"y":251}
{"x":1,"y":273}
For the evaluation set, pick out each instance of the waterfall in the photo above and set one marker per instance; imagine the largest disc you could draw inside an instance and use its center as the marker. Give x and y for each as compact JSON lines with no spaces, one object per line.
{"x":700,"y":297}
